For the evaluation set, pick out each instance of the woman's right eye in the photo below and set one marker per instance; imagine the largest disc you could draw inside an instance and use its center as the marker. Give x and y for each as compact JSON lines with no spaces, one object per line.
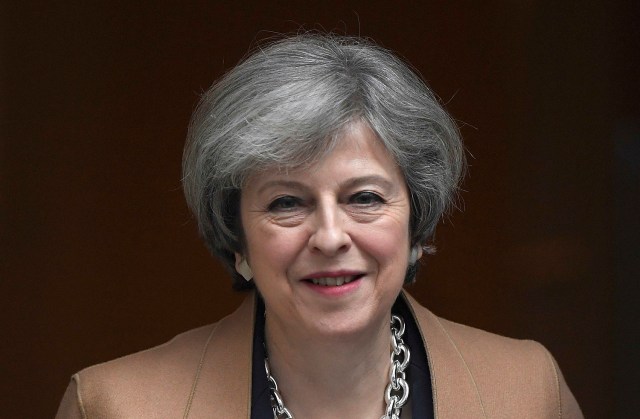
{"x":284,"y":203}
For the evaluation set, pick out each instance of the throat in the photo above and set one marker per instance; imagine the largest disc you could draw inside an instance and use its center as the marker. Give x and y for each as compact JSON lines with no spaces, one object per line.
{"x":339,"y":382}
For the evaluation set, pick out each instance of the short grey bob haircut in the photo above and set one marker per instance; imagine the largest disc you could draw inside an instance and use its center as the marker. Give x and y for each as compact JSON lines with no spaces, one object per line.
{"x":285,"y":106}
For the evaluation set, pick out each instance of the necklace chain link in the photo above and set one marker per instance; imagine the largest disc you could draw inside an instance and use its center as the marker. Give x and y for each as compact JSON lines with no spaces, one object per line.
{"x":396,"y":393}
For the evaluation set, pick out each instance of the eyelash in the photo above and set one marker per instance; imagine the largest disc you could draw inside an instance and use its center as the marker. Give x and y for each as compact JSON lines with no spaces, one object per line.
{"x":373,"y":198}
{"x":289,"y":203}
{"x":277,"y":204}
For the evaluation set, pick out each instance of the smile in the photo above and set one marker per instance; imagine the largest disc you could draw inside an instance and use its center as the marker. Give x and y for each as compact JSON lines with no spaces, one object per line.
{"x":333,"y":281}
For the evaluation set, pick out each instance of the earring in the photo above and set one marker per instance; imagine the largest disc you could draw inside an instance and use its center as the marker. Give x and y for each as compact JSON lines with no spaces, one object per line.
{"x":414,"y":255}
{"x":244,"y":270}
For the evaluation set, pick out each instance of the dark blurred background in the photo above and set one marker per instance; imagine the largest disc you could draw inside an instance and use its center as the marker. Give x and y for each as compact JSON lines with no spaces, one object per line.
{"x":100,"y":257}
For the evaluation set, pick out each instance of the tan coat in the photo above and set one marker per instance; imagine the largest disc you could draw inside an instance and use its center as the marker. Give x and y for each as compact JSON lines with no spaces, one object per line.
{"x":206,"y":373}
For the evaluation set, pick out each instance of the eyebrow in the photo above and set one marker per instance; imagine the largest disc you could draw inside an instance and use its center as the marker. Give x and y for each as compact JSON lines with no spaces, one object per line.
{"x":363,"y":180}
{"x":281,"y":182}
{"x":349,"y":183}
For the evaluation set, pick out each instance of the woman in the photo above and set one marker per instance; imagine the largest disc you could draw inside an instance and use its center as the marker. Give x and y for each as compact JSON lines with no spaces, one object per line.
{"x":317,"y":170}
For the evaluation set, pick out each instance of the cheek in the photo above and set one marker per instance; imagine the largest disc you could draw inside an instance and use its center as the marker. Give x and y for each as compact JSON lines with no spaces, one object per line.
{"x":389,"y":245}
{"x":273,"y":249}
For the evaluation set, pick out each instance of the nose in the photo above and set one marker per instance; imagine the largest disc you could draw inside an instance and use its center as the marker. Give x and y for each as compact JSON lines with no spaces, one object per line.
{"x":329,"y":235}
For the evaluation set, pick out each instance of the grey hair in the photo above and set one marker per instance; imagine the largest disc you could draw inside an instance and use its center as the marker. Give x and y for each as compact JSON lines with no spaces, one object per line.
{"x":286,"y":105}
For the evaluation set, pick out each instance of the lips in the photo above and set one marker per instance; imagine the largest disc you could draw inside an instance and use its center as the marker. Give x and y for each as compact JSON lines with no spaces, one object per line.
{"x":333,"y":281}
{"x":334,"y":278}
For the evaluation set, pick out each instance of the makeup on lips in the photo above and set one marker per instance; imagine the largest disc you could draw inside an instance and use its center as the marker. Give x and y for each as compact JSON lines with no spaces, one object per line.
{"x":333,"y":282}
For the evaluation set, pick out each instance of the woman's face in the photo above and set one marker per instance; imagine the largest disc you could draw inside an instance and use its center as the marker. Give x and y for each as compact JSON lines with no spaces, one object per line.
{"x":329,"y":245}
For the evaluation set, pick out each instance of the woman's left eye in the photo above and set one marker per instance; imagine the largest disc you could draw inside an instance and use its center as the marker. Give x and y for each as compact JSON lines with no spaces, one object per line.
{"x":366,"y":198}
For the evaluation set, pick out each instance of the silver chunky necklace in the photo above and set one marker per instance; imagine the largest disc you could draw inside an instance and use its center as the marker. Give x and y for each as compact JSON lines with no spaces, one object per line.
{"x":396,"y":393}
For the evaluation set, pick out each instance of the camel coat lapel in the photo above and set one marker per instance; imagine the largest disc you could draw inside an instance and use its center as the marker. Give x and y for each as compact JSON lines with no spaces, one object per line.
{"x":454,"y":390}
{"x":222,"y":387}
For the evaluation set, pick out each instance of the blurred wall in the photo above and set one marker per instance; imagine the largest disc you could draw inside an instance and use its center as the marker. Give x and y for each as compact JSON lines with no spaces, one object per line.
{"x":100,"y":257}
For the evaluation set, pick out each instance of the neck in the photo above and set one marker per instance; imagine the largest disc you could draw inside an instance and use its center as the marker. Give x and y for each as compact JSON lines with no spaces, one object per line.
{"x":331,"y":376}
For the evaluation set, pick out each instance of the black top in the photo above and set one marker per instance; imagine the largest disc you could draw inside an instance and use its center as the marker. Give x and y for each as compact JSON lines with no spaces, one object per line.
{"x":420,"y":392}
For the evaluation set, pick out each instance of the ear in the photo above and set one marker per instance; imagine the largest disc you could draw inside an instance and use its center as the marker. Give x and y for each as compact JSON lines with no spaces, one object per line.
{"x":416,"y":253}
{"x":242,"y":267}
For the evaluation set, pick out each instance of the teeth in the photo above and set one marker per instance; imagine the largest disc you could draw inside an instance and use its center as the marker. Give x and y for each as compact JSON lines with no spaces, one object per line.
{"x":332,"y":282}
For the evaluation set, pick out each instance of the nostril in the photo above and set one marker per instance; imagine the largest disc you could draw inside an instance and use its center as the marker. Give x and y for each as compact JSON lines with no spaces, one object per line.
{"x":329,"y":241}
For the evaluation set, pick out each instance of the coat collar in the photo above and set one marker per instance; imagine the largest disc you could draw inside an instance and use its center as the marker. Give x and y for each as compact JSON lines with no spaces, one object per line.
{"x":222,"y":383}
{"x":455,"y":393}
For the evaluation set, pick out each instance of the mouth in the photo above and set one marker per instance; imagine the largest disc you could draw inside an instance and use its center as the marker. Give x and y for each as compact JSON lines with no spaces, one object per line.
{"x":334,"y":281}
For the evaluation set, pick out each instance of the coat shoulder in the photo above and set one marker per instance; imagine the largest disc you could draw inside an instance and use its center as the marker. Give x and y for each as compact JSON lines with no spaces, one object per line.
{"x":492,"y":347}
{"x":476,"y":373}
{"x":519,"y":376}
{"x":175,"y":379}
{"x":155,"y":381}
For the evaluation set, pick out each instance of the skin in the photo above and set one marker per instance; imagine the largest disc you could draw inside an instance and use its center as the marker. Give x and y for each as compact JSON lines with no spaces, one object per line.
{"x":346,"y":216}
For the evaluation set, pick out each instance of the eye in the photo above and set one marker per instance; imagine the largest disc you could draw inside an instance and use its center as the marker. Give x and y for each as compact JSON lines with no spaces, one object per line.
{"x":284,"y":203}
{"x":366,"y":198}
